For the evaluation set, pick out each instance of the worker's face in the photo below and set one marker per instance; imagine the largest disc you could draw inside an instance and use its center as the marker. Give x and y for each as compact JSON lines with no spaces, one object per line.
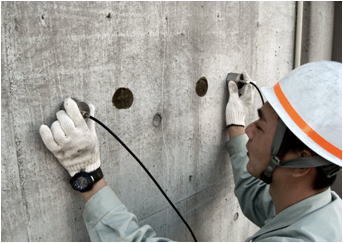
{"x":261,"y":135}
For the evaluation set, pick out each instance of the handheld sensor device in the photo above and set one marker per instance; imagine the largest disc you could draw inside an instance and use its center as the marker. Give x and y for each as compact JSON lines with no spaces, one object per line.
{"x":239,"y":79}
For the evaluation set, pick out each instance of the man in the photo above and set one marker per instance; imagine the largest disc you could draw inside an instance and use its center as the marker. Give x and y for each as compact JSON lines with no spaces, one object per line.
{"x":283,"y":166}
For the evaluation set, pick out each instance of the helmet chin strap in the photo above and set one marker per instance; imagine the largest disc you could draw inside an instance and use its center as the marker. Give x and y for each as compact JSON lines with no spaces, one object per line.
{"x":302,"y":162}
{"x":266,"y":175}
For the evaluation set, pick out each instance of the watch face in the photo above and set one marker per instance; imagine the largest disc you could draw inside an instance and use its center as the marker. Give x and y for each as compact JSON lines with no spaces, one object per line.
{"x":81,"y":182}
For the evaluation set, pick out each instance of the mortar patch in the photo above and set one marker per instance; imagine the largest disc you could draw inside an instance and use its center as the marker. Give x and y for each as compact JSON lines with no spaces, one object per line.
{"x":156,"y":121}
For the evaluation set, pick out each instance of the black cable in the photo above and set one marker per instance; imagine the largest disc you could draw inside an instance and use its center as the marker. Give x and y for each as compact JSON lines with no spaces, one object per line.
{"x":258,"y":91}
{"x":146,"y":170}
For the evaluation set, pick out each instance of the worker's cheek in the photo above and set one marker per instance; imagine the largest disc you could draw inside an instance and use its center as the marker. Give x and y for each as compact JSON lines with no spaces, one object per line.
{"x":253,"y":168}
{"x":258,"y":162}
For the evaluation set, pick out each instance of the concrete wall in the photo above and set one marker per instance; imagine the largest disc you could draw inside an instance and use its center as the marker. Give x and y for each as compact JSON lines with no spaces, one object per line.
{"x":158,"y":50}
{"x":337,"y":39}
{"x":318,"y":31}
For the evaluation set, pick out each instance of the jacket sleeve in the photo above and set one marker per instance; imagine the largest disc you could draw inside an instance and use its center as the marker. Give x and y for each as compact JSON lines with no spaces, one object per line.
{"x":281,"y":239}
{"x":252,"y":193}
{"x":107,"y":219}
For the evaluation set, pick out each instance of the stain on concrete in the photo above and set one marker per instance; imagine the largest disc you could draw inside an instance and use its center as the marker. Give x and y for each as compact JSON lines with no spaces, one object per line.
{"x":16,"y":24}
{"x":122,"y":98}
{"x":42,"y":20}
{"x":236,"y":216}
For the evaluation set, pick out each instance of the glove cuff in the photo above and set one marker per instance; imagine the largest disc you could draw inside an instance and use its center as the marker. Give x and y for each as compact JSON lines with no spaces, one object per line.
{"x":93,"y":167}
{"x":236,"y":118}
{"x":72,"y":170}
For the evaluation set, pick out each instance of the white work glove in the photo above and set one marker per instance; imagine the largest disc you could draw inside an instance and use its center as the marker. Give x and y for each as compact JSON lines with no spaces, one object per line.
{"x":72,"y":139}
{"x":237,"y":106}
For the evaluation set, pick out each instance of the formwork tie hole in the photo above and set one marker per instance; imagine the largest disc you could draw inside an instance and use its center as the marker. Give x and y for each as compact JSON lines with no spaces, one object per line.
{"x":201,"y":87}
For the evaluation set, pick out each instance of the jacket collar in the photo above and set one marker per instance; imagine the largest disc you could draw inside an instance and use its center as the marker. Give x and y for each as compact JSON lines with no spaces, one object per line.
{"x":293,"y":213}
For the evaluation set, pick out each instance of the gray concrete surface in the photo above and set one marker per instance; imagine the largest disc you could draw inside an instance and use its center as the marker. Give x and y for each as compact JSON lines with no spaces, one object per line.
{"x":318,"y":31}
{"x":158,"y":50}
{"x":337,"y":38}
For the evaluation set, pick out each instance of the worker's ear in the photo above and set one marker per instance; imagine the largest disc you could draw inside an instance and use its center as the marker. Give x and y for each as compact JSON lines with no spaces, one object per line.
{"x":298,"y":172}
{"x":305,"y":153}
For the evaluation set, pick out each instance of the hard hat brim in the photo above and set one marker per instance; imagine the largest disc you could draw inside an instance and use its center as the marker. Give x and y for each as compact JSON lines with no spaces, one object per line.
{"x":272,"y":99}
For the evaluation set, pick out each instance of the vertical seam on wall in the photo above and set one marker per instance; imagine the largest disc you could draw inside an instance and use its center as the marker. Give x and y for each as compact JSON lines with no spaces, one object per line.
{"x":21,"y":175}
{"x":17,"y":141}
{"x":298,"y":33}
{"x":165,"y":33}
{"x":163,"y":73}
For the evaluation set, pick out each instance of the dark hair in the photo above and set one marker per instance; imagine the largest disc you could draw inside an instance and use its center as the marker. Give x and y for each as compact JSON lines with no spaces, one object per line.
{"x":291,"y":143}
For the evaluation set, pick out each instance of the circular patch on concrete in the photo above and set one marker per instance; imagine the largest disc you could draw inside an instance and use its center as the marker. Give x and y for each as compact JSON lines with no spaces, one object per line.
{"x":122,"y":98}
{"x":201,"y":86}
{"x":156,"y":121}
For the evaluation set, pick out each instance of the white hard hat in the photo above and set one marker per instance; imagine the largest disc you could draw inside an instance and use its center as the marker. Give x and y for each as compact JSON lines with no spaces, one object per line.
{"x":308,"y":101}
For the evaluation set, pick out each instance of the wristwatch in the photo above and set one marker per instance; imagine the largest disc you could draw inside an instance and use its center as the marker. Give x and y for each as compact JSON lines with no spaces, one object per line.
{"x":84,"y":181}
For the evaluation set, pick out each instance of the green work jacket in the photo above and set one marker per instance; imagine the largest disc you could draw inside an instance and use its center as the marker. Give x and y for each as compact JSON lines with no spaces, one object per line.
{"x":317,"y":218}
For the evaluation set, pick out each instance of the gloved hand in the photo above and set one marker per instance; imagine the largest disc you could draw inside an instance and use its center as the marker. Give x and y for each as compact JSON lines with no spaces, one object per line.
{"x":237,"y":106}
{"x":72,"y":139}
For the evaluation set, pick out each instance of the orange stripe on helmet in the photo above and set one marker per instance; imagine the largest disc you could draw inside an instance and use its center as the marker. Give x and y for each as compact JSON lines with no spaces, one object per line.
{"x":322,"y":142}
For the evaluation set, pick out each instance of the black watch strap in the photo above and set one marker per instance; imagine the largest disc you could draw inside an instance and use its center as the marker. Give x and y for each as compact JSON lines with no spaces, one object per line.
{"x":96,"y":175}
